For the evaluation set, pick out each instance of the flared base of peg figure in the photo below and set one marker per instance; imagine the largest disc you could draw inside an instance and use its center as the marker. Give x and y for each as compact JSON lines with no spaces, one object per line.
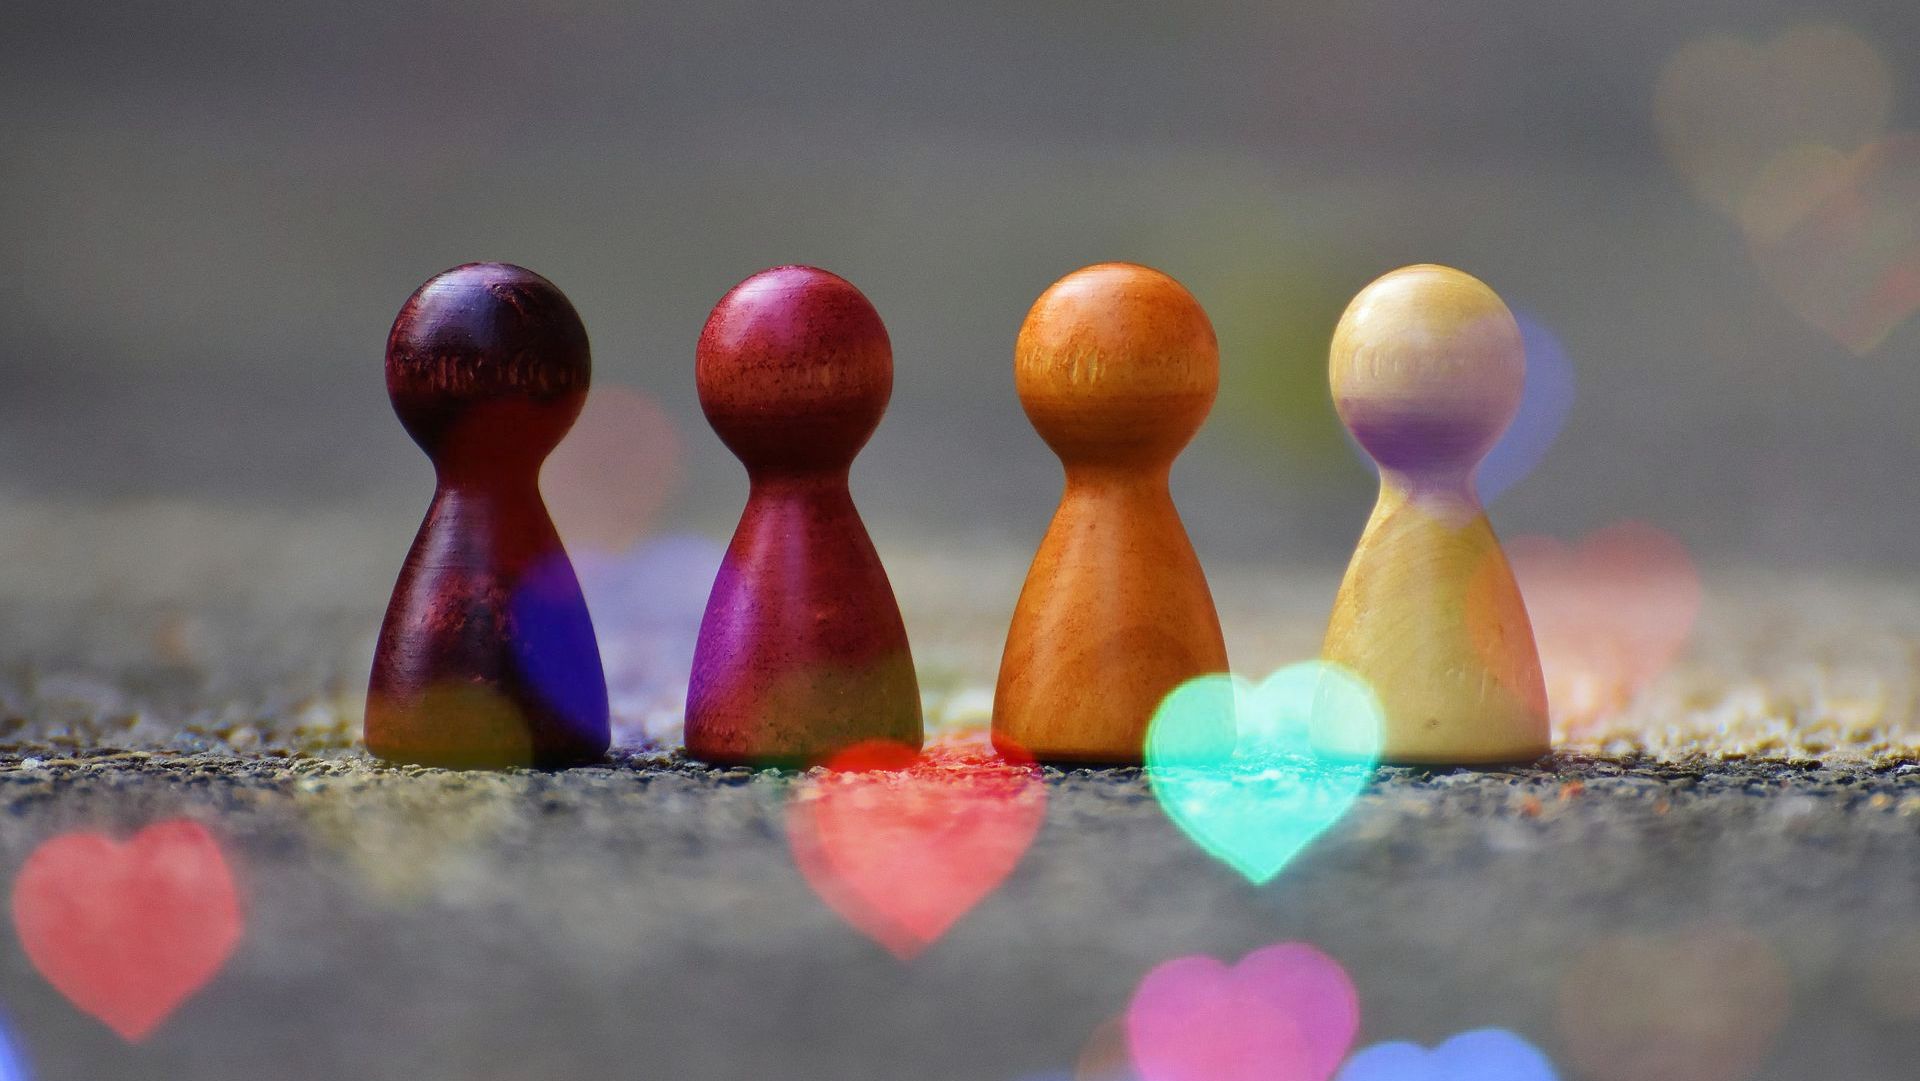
{"x":460,"y":732}
{"x":739,"y":722}
{"x":1115,"y":615}
{"x":1437,"y":741}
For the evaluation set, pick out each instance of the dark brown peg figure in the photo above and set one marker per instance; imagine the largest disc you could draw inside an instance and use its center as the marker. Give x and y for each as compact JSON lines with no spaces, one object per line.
{"x":802,"y":651}
{"x":487,"y":656}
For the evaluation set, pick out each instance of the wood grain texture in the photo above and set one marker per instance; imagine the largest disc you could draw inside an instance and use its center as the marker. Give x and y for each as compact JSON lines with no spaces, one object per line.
{"x":487,"y":655}
{"x":802,"y":651}
{"x":1117,"y":367}
{"x":1427,"y":369}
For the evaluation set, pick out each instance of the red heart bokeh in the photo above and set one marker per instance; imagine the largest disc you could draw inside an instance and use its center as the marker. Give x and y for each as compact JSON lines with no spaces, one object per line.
{"x":1285,"y":1013}
{"x":128,"y":930}
{"x":902,"y":845}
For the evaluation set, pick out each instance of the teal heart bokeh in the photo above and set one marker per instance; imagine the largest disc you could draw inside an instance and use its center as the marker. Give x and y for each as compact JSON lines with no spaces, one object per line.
{"x":1234,"y":765}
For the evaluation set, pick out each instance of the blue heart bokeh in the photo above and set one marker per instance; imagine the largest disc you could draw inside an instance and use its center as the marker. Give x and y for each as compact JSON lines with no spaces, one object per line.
{"x":1487,"y":1054}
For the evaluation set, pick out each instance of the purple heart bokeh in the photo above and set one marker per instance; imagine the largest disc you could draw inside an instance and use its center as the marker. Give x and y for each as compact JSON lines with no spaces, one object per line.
{"x":1487,"y":1054}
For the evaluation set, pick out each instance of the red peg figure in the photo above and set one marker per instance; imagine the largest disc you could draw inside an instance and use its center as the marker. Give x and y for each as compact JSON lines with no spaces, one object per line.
{"x":487,"y":656}
{"x":802,"y":652}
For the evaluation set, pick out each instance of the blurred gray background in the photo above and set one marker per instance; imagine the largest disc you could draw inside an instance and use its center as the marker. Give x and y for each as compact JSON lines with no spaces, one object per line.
{"x":212,"y":210}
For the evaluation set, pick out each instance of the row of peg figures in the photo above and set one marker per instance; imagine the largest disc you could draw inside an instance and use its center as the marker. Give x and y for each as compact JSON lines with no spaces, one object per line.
{"x":487,"y":657}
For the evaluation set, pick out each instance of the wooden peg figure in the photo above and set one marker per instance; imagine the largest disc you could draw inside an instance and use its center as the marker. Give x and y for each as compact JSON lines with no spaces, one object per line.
{"x":1427,"y":370}
{"x":1116,"y":366}
{"x":487,"y":655}
{"x":802,"y":651}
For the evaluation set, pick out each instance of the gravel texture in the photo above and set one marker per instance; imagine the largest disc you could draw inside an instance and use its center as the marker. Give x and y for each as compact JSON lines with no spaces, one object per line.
{"x":1722,"y":880}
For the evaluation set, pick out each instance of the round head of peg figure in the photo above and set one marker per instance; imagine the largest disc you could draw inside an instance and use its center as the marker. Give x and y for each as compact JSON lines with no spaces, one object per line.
{"x":794,"y":369}
{"x":1116,"y":364}
{"x":1427,"y":370}
{"x":487,"y":367}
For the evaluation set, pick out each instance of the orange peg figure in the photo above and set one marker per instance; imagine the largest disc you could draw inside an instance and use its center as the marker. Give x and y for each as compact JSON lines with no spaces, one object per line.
{"x":1117,"y":367}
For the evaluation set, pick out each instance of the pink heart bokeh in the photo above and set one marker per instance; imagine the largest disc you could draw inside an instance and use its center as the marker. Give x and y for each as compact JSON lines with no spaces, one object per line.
{"x":1285,"y":1013}
{"x":1609,"y":614}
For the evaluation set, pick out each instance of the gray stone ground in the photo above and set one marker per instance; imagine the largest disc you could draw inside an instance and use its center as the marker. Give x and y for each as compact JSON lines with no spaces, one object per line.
{"x":1749,"y":828}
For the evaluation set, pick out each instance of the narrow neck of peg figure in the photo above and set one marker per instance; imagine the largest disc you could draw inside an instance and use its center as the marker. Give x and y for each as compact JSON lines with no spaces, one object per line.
{"x":505,"y":467}
{"x":500,"y":527}
{"x":809,"y":482}
{"x":514,"y":491}
{"x":1134,"y":477}
{"x":1448,"y":494}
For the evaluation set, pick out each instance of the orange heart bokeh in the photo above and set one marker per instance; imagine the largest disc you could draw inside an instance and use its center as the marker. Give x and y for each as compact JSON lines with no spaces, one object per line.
{"x":1726,"y":107}
{"x":1838,"y":238}
{"x":902,"y":845}
{"x":1789,"y":138}
{"x":128,"y":930}
{"x":1698,"y":1005}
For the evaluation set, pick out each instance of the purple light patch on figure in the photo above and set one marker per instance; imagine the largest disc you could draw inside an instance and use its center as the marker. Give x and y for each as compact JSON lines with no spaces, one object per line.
{"x":553,"y":632}
{"x":1544,"y":404}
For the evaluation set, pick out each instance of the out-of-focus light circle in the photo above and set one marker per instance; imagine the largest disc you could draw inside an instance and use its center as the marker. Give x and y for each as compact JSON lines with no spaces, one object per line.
{"x":1488,"y":1054}
{"x":1693,"y":1006}
{"x":1544,"y":406}
{"x":554,"y":647}
{"x":609,"y":478}
{"x":1545,"y":401}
